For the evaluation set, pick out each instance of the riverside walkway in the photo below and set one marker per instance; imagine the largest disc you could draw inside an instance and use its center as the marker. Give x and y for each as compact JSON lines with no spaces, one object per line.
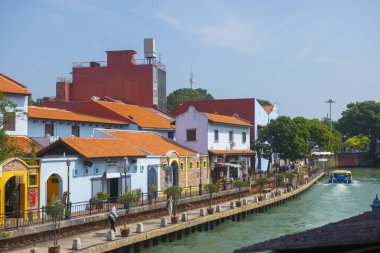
{"x":153,"y":233}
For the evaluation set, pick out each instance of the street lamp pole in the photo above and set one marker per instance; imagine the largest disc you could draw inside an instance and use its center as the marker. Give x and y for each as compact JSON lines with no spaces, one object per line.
{"x":330,"y":101}
{"x":125,"y":174}
{"x":68,"y":205}
{"x":200,"y":176}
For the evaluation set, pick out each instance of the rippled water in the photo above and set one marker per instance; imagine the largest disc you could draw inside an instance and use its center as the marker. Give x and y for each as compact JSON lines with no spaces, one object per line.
{"x":322,"y":204}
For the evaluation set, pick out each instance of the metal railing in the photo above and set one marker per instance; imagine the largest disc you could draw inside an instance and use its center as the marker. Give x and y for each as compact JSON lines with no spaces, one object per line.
{"x":14,"y":220}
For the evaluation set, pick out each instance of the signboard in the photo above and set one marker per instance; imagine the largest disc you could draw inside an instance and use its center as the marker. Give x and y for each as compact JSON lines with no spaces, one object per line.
{"x":168,"y":168}
{"x":323,"y":159}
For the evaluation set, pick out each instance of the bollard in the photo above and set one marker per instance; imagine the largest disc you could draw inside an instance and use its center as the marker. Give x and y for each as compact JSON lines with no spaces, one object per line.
{"x":255,"y":199}
{"x":77,"y":244}
{"x":139,"y":228}
{"x":265,"y":196}
{"x":34,"y":250}
{"x":245,"y":202}
{"x":164,"y":222}
{"x":285,"y":190}
{"x":279,"y":193}
{"x":202,"y":212}
{"x":185,"y":217}
{"x":272,"y":194}
{"x":111,"y":235}
{"x":232,"y":204}
{"x":218,"y":208}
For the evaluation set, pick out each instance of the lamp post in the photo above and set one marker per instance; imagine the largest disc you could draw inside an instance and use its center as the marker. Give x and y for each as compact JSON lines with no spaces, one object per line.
{"x":330,"y":101}
{"x":200,"y":176}
{"x":125,"y":174}
{"x":68,"y":205}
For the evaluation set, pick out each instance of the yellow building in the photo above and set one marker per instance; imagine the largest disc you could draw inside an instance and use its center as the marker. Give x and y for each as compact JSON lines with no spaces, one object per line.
{"x":19,"y":188}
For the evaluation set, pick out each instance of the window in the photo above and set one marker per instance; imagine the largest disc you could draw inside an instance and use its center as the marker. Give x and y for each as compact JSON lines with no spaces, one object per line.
{"x":244,"y":136}
{"x":96,"y":171}
{"x":171,"y":135}
{"x":181,"y":166}
{"x":191,"y":134}
{"x":231,"y":133}
{"x":191,"y":165}
{"x":9,"y":121}
{"x":86,"y":171}
{"x":32,"y":180}
{"x":49,"y":129}
{"x":198,"y":165}
{"x":75,"y":131}
{"x":216,"y":135}
{"x":204,"y":164}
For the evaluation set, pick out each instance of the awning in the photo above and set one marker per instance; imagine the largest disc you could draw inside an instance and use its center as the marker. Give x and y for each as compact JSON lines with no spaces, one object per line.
{"x":113,"y":175}
{"x":246,"y":152}
{"x":229,"y":165}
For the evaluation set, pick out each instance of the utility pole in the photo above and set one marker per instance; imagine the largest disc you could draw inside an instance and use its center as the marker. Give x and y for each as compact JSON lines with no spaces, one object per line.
{"x":330,"y":101}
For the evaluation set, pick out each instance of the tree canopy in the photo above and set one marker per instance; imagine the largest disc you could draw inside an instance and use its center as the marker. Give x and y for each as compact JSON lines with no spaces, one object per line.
{"x":181,"y":96}
{"x":294,"y":138}
{"x":359,"y":142}
{"x":362,"y":118}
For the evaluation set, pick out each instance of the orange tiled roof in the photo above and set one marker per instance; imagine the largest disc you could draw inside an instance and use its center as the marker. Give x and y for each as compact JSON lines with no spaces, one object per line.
{"x":24,"y":143}
{"x":268,"y":108}
{"x":151,"y":142}
{"x":227,"y":120}
{"x":59,"y":114}
{"x":8,"y":85}
{"x":101,"y":147}
{"x":142,"y":116}
{"x":232,"y":152}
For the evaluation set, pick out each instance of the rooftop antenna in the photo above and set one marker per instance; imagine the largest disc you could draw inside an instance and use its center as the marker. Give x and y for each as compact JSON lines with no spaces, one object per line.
{"x":192,"y":81}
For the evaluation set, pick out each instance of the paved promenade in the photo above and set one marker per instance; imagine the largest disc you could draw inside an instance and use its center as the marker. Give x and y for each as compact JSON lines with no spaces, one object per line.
{"x":96,"y":241}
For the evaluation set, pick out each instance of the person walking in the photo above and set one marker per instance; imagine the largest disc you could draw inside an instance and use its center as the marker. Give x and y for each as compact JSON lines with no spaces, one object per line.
{"x":112,"y":215}
{"x":169,"y":205}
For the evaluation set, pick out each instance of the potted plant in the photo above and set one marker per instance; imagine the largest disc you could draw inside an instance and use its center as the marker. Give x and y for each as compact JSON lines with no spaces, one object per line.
{"x":279,"y":178}
{"x":128,"y":199}
{"x":174,"y":192}
{"x":99,"y":200}
{"x":261,"y":181}
{"x":211,"y":188}
{"x":152,"y":193}
{"x":55,"y":210}
{"x":239,"y":184}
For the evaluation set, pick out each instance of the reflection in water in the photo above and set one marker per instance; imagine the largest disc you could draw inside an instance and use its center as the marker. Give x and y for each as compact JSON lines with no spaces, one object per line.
{"x":322,"y":204}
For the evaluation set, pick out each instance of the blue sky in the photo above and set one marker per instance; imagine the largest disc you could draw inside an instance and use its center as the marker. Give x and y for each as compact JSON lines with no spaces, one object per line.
{"x":295,"y":53}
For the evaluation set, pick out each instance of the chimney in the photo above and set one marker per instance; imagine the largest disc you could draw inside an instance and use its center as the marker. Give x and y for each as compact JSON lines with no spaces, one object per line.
{"x":62,"y":89}
{"x":120,"y":58}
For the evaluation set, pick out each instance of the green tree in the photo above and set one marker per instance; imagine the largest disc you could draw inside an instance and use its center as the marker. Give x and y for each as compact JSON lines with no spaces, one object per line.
{"x":240,"y":184}
{"x":175,"y":192}
{"x":38,"y":100}
{"x":211,"y":188}
{"x":55,"y":210}
{"x":261,"y":181}
{"x":181,"y":96}
{"x":359,"y":142}
{"x":128,"y":199}
{"x":9,"y":112}
{"x":362,"y":118}
{"x":279,"y":178}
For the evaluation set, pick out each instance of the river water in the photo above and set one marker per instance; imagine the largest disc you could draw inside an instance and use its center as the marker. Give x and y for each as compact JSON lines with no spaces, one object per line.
{"x":321,"y":204}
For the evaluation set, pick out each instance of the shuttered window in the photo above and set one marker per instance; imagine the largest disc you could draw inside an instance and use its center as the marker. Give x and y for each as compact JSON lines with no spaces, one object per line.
{"x":191,"y":134}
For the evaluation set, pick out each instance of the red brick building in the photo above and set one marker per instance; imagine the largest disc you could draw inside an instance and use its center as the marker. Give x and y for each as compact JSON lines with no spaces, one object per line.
{"x":121,"y":77}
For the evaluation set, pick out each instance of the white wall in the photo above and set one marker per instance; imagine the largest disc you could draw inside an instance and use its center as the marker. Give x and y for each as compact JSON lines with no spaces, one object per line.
{"x":21,"y":120}
{"x":192,"y":119}
{"x":81,"y":185}
{"x":36,"y":128}
{"x":224,"y":137}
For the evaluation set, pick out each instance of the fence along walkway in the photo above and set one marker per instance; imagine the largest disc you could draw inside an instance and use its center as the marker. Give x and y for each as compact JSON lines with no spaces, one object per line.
{"x":14,"y":220}
{"x":96,"y":241}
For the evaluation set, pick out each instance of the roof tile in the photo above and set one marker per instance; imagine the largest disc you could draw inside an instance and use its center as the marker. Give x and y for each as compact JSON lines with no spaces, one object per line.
{"x":8,"y":85}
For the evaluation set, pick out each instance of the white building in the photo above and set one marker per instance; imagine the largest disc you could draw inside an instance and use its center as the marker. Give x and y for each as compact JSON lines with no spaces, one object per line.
{"x":43,"y":121}
{"x":18,"y":94}
{"x":112,"y":161}
{"x":225,"y":138}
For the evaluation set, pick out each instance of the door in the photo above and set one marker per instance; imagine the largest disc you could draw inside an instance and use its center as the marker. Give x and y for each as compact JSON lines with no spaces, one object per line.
{"x":175,"y":173}
{"x":114,"y":188}
{"x":12,"y":197}
{"x":152,"y":177}
{"x":52,"y":188}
